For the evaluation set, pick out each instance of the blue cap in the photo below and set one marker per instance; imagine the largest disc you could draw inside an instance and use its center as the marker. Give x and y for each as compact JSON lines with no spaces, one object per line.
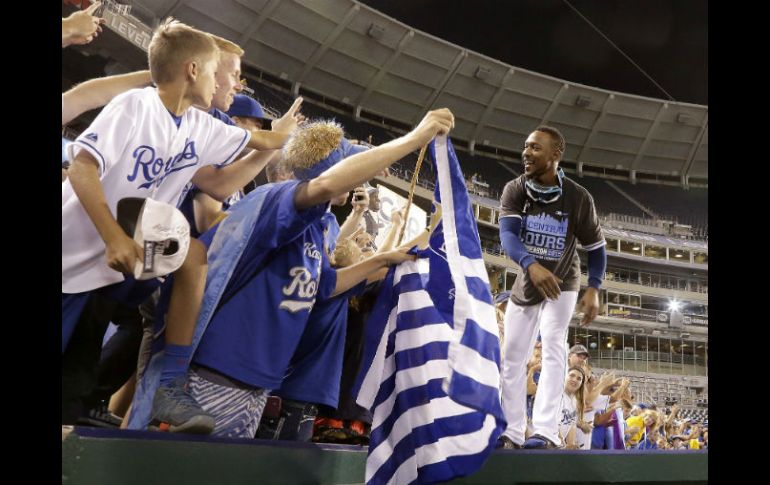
{"x":502,"y":296}
{"x":246,"y":106}
{"x":344,"y":150}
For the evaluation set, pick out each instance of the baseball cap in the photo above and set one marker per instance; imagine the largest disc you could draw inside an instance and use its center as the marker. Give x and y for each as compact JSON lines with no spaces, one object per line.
{"x":247,"y":106}
{"x":160,"y":229}
{"x":578,"y":349}
{"x":502,"y":297}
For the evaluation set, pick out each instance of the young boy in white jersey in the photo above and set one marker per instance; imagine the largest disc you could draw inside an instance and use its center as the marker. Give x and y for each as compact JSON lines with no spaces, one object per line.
{"x":149,"y":143}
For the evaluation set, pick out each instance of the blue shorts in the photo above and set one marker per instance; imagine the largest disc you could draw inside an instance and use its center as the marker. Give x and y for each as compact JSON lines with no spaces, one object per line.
{"x":129,"y":292}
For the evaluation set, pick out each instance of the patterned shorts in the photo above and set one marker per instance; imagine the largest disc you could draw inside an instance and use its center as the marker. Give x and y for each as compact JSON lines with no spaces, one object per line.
{"x":236,"y":411}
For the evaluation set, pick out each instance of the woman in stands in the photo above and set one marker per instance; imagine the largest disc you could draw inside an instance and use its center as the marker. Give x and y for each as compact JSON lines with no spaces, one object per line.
{"x":572,"y":407}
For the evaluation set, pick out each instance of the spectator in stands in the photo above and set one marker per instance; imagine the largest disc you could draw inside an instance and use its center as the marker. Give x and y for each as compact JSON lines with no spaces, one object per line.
{"x":572,"y":408}
{"x":670,"y":426}
{"x":635,"y":426}
{"x":360,"y":203}
{"x":678,"y":442}
{"x":107,"y":166}
{"x":246,"y":346}
{"x":247,"y":113}
{"x":647,"y":436}
{"x":578,"y":356}
{"x":597,"y":397}
{"x":544,"y":215}
{"x":81,"y":27}
{"x":371,"y":217}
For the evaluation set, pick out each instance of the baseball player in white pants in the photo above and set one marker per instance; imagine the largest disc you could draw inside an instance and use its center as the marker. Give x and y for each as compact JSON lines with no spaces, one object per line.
{"x":544,"y":215}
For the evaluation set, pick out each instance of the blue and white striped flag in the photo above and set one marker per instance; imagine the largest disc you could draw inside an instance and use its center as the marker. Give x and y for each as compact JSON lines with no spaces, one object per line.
{"x":430,"y":373}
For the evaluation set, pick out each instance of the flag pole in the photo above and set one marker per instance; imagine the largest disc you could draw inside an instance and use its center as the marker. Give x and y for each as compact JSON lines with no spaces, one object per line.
{"x":411,"y":193}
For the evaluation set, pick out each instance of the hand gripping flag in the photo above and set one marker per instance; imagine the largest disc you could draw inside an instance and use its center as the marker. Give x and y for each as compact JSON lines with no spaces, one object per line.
{"x":430,"y":372}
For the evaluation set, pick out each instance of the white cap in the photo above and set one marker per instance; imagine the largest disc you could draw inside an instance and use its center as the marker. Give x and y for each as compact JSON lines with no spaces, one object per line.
{"x":160,"y":229}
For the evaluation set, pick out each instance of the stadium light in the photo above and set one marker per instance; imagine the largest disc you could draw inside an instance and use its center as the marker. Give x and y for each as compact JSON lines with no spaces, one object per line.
{"x":674,"y":305}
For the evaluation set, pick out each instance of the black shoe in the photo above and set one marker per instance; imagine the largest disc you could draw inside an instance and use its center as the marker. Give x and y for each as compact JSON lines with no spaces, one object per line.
{"x":101,"y":417}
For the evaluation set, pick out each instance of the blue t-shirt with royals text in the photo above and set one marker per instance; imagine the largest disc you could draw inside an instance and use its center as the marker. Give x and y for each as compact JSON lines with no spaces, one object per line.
{"x":265,"y":306}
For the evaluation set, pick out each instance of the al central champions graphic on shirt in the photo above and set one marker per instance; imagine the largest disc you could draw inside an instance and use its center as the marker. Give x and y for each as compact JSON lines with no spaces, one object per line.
{"x":545,"y":237}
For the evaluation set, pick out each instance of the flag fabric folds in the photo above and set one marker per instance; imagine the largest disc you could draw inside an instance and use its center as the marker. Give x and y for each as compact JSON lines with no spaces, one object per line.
{"x":430,"y":372}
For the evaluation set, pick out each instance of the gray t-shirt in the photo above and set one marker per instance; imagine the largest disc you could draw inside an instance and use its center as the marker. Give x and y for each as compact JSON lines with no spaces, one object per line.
{"x":550,"y":231}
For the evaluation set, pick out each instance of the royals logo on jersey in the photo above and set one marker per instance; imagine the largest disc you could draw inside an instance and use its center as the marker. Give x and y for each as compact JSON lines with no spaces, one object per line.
{"x":150,"y":168}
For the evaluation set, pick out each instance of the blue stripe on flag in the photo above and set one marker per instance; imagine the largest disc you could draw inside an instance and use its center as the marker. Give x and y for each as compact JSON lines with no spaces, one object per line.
{"x":417,"y":318}
{"x":405,"y":400}
{"x":478,"y":289}
{"x":452,"y":467}
{"x":485,"y":343}
{"x":473,"y":393}
{"x":409,"y":282}
{"x":407,"y":359}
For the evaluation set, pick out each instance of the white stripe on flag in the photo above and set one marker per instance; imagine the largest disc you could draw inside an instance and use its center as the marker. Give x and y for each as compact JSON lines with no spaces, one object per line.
{"x":379,"y":365}
{"x":474,"y":267}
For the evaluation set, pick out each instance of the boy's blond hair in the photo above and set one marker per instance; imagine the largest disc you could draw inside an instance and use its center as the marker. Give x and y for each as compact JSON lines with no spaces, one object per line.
{"x":225,"y":45}
{"x":346,"y":253}
{"x":173,"y":45}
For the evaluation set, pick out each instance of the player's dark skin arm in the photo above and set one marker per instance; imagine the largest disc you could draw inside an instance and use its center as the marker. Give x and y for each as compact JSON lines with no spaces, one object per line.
{"x":544,"y":281}
{"x":589,"y":304}
{"x":122,"y":251}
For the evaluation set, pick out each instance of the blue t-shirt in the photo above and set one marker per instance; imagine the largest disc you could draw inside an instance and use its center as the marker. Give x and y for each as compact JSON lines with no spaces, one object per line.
{"x":221,"y":116}
{"x":267,"y":301}
{"x":316,"y":367}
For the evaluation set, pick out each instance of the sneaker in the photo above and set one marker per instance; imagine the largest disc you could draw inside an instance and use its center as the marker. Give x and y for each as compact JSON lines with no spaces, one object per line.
{"x":538,"y":442}
{"x":357,"y":432}
{"x":101,"y":417}
{"x":175,"y":410}
{"x":506,"y":443}
{"x":329,"y":430}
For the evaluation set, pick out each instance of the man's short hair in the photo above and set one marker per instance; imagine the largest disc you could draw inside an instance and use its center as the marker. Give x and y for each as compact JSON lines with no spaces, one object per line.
{"x":558,"y":139}
{"x":225,"y":45}
{"x":173,"y":45}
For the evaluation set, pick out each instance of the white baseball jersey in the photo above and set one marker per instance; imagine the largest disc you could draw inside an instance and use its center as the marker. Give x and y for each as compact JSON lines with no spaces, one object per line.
{"x":141,"y":153}
{"x":568,"y":415}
